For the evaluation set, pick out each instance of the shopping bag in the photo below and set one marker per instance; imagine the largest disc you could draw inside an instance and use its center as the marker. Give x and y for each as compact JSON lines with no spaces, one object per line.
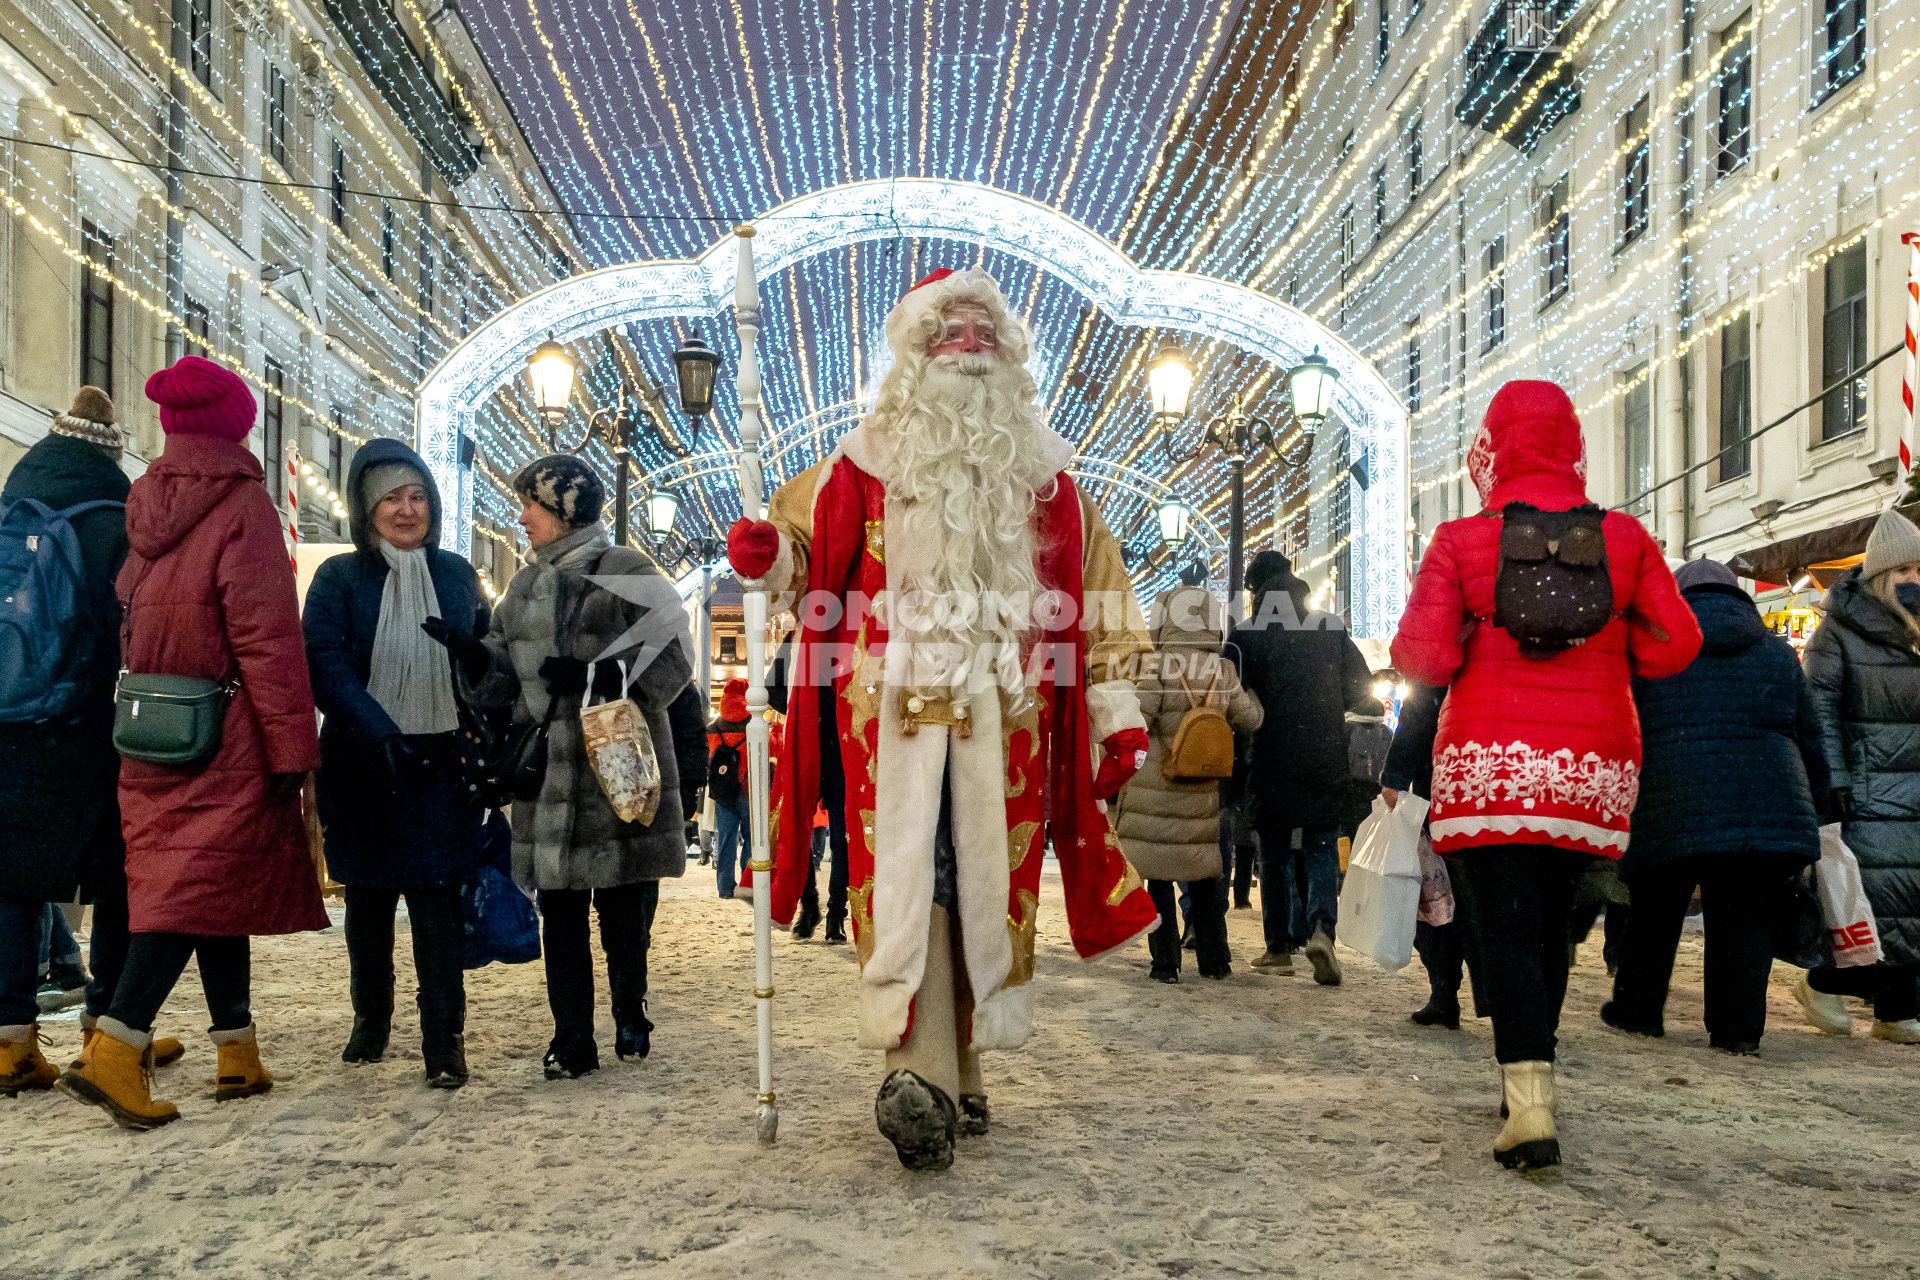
{"x":620,"y":748}
{"x":500,"y":922}
{"x":1380,"y":901}
{"x":1843,"y":902}
{"x":1436,"y":886}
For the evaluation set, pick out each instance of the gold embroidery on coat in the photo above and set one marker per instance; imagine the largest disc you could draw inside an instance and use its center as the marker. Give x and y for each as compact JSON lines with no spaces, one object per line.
{"x":1020,"y":844}
{"x":863,"y":694}
{"x":1129,"y":881}
{"x":877,"y":540}
{"x":1021,"y":930}
{"x":861,"y":900}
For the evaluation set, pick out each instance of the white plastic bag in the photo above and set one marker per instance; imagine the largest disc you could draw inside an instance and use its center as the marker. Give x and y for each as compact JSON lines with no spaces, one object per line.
{"x":620,"y":748}
{"x":1843,"y":902}
{"x":1380,"y":901}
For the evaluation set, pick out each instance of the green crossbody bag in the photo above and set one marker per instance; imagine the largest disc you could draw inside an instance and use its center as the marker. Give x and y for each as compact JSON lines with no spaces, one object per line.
{"x":170,"y":720}
{"x":167,"y":720}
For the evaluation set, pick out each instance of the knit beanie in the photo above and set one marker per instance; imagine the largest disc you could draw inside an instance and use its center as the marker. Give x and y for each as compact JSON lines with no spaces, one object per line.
{"x":1893,"y":542}
{"x":733,"y":700}
{"x":565,"y":486}
{"x":1696,"y":573}
{"x":92,"y":419}
{"x":200,"y":398}
{"x":383,"y":479}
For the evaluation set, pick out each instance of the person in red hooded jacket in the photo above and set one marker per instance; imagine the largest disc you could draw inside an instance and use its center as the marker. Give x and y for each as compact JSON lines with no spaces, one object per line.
{"x":1536,"y":763}
{"x":217,"y":853}
{"x":727,"y":785}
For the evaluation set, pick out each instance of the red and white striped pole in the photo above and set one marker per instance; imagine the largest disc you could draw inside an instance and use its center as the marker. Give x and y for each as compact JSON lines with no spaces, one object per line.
{"x":1912,"y":240}
{"x":293,"y":506}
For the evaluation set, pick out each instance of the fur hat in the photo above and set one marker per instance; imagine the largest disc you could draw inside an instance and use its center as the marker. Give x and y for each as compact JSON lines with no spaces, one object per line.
{"x":200,"y":398}
{"x":1272,"y":571}
{"x":565,"y":486}
{"x":91,"y":419}
{"x":1699,"y":573}
{"x":1893,"y":542}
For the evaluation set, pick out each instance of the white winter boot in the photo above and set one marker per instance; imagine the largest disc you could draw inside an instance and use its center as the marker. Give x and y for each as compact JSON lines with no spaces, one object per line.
{"x":1826,"y":1014}
{"x":1528,"y":1140}
{"x":1905,"y":1031}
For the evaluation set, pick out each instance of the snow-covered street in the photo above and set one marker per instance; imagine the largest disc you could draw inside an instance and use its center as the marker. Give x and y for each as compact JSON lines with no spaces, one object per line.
{"x":1262,"y":1126}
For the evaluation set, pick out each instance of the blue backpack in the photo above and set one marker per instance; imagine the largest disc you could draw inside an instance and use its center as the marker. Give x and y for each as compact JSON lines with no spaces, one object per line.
{"x":43,"y":632}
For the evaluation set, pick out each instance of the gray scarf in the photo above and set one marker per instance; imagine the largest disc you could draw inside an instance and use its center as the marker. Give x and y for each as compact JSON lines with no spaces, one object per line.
{"x":411,"y":678}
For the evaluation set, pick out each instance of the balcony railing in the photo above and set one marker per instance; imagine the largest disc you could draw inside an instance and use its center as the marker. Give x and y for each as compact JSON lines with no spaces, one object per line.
{"x":1515,"y":51}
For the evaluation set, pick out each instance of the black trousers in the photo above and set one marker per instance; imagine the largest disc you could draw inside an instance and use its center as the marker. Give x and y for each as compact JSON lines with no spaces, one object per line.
{"x":832,"y":795}
{"x":1893,"y":988}
{"x":1452,"y":950}
{"x":1738,"y":900}
{"x":108,"y":938}
{"x":1207,"y":914}
{"x":1241,"y":849}
{"x":155,"y":962}
{"x":439,"y":929}
{"x":626,"y":930}
{"x":1522,"y":895}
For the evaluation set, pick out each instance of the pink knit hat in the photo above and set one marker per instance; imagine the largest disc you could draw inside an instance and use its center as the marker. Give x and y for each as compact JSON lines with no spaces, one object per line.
{"x":200,"y":398}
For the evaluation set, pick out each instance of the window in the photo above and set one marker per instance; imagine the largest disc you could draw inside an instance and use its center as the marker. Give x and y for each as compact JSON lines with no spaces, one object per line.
{"x":1636,"y":430}
{"x":386,"y":240}
{"x":1556,"y":250}
{"x":1733,"y":127}
{"x":277,"y":116}
{"x":1346,"y":145}
{"x":1383,"y":42}
{"x":1413,"y":366}
{"x":1379,"y":200}
{"x":1346,"y":243}
{"x":199,"y":321}
{"x":1846,"y":47}
{"x":1416,"y":162}
{"x":337,"y":190}
{"x":1496,"y":295}
{"x":1289,"y":98}
{"x":337,"y":457}
{"x":200,"y":40}
{"x":1736,"y":399}
{"x":273,"y":427}
{"x":1636,"y":195}
{"x":96,"y":308}
{"x":1843,"y":344}
{"x":1346,"y":19}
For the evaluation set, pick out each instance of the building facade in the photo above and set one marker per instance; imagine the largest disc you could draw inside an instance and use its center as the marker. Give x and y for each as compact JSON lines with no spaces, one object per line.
{"x":1687,"y":212}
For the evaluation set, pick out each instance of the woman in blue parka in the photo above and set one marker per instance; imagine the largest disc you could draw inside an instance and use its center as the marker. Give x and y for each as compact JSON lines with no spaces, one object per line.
{"x":395,"y":804}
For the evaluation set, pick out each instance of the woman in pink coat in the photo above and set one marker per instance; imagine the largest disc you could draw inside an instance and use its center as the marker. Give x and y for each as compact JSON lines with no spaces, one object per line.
{"x":1537,"y":761}
{"x":217,"y":853}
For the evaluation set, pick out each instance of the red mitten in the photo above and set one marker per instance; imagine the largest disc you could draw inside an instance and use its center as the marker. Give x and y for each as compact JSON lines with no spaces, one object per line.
{"x":1125,"y":752}
{"x":752,"y":547}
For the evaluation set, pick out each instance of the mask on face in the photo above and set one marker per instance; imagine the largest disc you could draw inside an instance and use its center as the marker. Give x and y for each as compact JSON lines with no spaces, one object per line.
{"x":1908,"y":594}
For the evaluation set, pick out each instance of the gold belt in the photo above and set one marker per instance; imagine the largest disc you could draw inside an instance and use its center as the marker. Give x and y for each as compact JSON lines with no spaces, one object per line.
{"x":916,"y":710}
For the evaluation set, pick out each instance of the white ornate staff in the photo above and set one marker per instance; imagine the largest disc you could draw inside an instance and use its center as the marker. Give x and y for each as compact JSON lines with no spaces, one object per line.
{"x":746,"y":318}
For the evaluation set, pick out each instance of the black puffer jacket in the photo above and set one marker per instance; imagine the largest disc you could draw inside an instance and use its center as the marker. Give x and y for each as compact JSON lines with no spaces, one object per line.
{"x":1864,"y":668}
{"x":1732,"y":764}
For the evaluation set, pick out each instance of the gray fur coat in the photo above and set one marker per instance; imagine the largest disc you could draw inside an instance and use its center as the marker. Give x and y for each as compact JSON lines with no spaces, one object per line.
{"x":570,"y":838}
{"x":1171,"y":830}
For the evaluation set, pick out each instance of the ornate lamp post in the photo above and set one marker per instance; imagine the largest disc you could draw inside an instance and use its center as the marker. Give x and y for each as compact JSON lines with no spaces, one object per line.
{"x":1237,"y":434}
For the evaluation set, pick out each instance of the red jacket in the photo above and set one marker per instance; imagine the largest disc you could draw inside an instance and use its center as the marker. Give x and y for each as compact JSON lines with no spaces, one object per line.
{"x":1536,"y":750}
{"x":209,"y":592}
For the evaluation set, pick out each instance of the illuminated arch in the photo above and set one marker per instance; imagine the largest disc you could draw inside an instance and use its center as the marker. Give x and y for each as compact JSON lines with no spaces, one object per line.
{"x":970,"y":213}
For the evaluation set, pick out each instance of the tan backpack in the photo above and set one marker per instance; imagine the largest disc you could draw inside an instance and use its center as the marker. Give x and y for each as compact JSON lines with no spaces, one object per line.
{"x":1202,"y":746}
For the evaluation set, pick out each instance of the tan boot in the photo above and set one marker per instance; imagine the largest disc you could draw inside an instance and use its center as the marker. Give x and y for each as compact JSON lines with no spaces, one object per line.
{"x":21,"y":1064}
{"x":118,"y":1077}
{"x":166,"y":1049}
{"x":1528,"y":1139}
{"x":239,"y":1073}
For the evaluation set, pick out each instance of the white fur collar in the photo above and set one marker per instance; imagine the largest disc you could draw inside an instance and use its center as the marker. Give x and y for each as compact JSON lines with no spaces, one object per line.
{"x":874,"y":456}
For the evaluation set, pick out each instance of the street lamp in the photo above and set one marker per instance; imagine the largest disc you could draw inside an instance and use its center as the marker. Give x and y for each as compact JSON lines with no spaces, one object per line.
{"x":1176,"y":523}
{"x":551,"y":371}
{"x":1237,"y":434}
{"x":663,"y":510}
{"x":695,"y":364}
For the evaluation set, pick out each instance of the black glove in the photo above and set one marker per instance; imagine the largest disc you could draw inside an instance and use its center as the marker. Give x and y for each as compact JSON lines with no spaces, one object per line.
{"x":399,"y":757}
{"x":1840,"y":804}
{"x":473,"y":656}
{"x":565,"y":677}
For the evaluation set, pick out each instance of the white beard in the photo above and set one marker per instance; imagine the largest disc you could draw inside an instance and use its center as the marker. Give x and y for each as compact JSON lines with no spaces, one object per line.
{"x":967,"y":439}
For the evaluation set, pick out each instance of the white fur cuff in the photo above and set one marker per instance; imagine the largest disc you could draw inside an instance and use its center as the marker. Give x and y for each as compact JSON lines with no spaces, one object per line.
{"x":883,"y":1014}
{"x":1004,"y":1020}
{"x":1112,"y":705}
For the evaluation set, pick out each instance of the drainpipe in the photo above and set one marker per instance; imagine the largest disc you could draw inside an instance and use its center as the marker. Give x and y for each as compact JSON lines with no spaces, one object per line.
{"x":180,"y":49}
{"x":1676,"y":505}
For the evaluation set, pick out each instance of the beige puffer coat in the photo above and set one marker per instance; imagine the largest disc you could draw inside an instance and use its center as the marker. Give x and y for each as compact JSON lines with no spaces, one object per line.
{"x":1171,"y":830}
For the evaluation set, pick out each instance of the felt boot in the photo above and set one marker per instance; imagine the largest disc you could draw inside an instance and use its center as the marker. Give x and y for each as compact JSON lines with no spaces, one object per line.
{"x":22,"y":1066}
{"x":1528,"y":1140}
{"x":239,"y":1073}
{"x":118,"y":1078}
{"x":919,"y":1119}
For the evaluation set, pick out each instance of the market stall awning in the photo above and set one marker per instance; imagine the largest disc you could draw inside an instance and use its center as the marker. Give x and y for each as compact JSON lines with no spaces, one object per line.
{"x":1787,"y":559}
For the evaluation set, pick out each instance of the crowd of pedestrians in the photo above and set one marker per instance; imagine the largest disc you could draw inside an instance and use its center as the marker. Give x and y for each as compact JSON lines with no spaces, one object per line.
{"x":1584,"y":722}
